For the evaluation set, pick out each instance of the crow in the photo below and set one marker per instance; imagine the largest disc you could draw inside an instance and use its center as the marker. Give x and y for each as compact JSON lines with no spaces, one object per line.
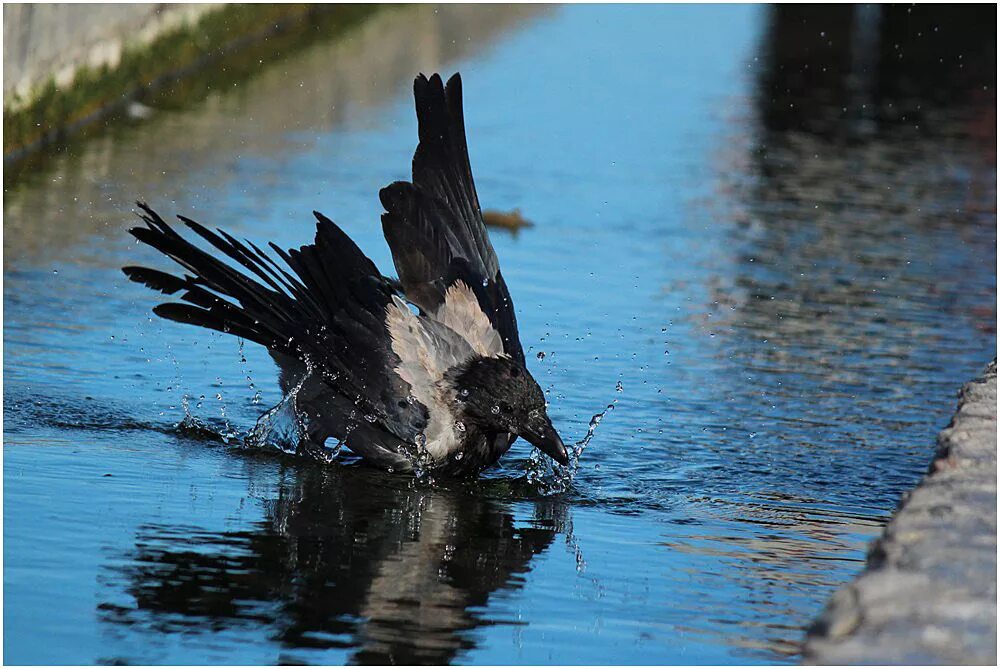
{"x":423,"y":372}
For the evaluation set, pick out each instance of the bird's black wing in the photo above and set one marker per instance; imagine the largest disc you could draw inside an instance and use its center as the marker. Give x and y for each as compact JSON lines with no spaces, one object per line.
{"x":434,"y":226}
{"x":327,"y":309}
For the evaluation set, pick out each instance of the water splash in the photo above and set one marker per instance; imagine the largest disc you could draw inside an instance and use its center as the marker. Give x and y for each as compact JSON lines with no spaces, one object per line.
{"x":192,"y":426}
{"x":591,"y":428}
{"x":422,"y":461}
{"x":283,"y":426}
{"x":280,"y":427}
{"x":549,"y":478}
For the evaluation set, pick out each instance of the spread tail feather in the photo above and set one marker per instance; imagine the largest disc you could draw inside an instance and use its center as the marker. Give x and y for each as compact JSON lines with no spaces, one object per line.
{"x":214,"y":294}
{"x":327,"y":309}
{"x":434,"y":226}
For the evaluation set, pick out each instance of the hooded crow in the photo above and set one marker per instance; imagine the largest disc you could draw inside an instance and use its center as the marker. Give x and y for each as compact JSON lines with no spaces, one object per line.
{"x":426,"y":371}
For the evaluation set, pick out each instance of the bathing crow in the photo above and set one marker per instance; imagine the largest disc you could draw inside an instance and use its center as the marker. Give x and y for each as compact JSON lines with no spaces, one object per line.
{"x":426,"y":370}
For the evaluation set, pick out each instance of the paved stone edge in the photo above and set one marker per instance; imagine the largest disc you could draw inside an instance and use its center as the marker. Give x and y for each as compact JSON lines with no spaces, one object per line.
{"x":928,"y":594}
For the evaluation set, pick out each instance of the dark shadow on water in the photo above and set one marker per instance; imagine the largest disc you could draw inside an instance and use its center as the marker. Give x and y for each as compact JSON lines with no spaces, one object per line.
{"x":862,"y":189}
{"x":848,"y":72}
{"x":343,"y":558}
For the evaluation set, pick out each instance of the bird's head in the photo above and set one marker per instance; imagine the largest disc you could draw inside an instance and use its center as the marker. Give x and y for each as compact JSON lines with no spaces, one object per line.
{"x":499,"y":395}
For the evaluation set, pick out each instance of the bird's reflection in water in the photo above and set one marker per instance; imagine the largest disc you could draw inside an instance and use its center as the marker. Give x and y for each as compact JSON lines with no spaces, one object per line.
{"x":344,"y":558}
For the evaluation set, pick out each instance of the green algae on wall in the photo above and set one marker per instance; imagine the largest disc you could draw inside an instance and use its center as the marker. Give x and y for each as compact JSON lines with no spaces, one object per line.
{"x":180,"y":66}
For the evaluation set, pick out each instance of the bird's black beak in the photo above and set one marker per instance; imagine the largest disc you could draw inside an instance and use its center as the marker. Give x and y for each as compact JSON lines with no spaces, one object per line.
{"x":539,"y":432}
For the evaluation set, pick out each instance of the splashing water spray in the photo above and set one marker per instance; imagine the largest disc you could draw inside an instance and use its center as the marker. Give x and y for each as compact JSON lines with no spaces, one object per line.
{"x":550,"y":478}
{"x":255,"y":399}
{"x":283,"y":426}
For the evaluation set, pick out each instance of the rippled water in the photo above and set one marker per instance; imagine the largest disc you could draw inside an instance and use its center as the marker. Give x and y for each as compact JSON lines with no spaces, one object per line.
{"x":786,"y":309}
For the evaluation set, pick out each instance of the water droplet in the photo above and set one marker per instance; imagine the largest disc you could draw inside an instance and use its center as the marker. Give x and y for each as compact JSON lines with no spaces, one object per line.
{"x":619,"y":387}
{"x":541,"y":355}
{"x":495,"y":410}
{"x":460,"y":426}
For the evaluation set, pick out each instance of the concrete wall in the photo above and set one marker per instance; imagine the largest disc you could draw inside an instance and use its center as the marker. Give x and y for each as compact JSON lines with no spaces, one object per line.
{"x":43,"y":42}
{"x":68,"y":68}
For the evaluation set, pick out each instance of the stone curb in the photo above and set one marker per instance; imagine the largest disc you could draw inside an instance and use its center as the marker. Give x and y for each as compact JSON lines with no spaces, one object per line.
{"x":929,"y":592}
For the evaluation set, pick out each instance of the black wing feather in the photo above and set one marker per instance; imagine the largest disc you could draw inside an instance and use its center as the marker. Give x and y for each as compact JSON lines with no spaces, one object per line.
{"x":168,"y":284}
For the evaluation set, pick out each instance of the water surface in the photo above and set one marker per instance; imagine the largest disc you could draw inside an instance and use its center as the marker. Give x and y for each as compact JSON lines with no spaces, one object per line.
{"x":780,"y":313}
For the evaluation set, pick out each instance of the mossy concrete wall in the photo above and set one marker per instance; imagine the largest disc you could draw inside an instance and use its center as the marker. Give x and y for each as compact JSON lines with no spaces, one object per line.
{"x":66,"y":67}
{"x":52,"y":42}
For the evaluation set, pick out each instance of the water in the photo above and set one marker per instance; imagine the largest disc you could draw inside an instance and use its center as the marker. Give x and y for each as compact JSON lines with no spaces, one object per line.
{"x":780,"y":315}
